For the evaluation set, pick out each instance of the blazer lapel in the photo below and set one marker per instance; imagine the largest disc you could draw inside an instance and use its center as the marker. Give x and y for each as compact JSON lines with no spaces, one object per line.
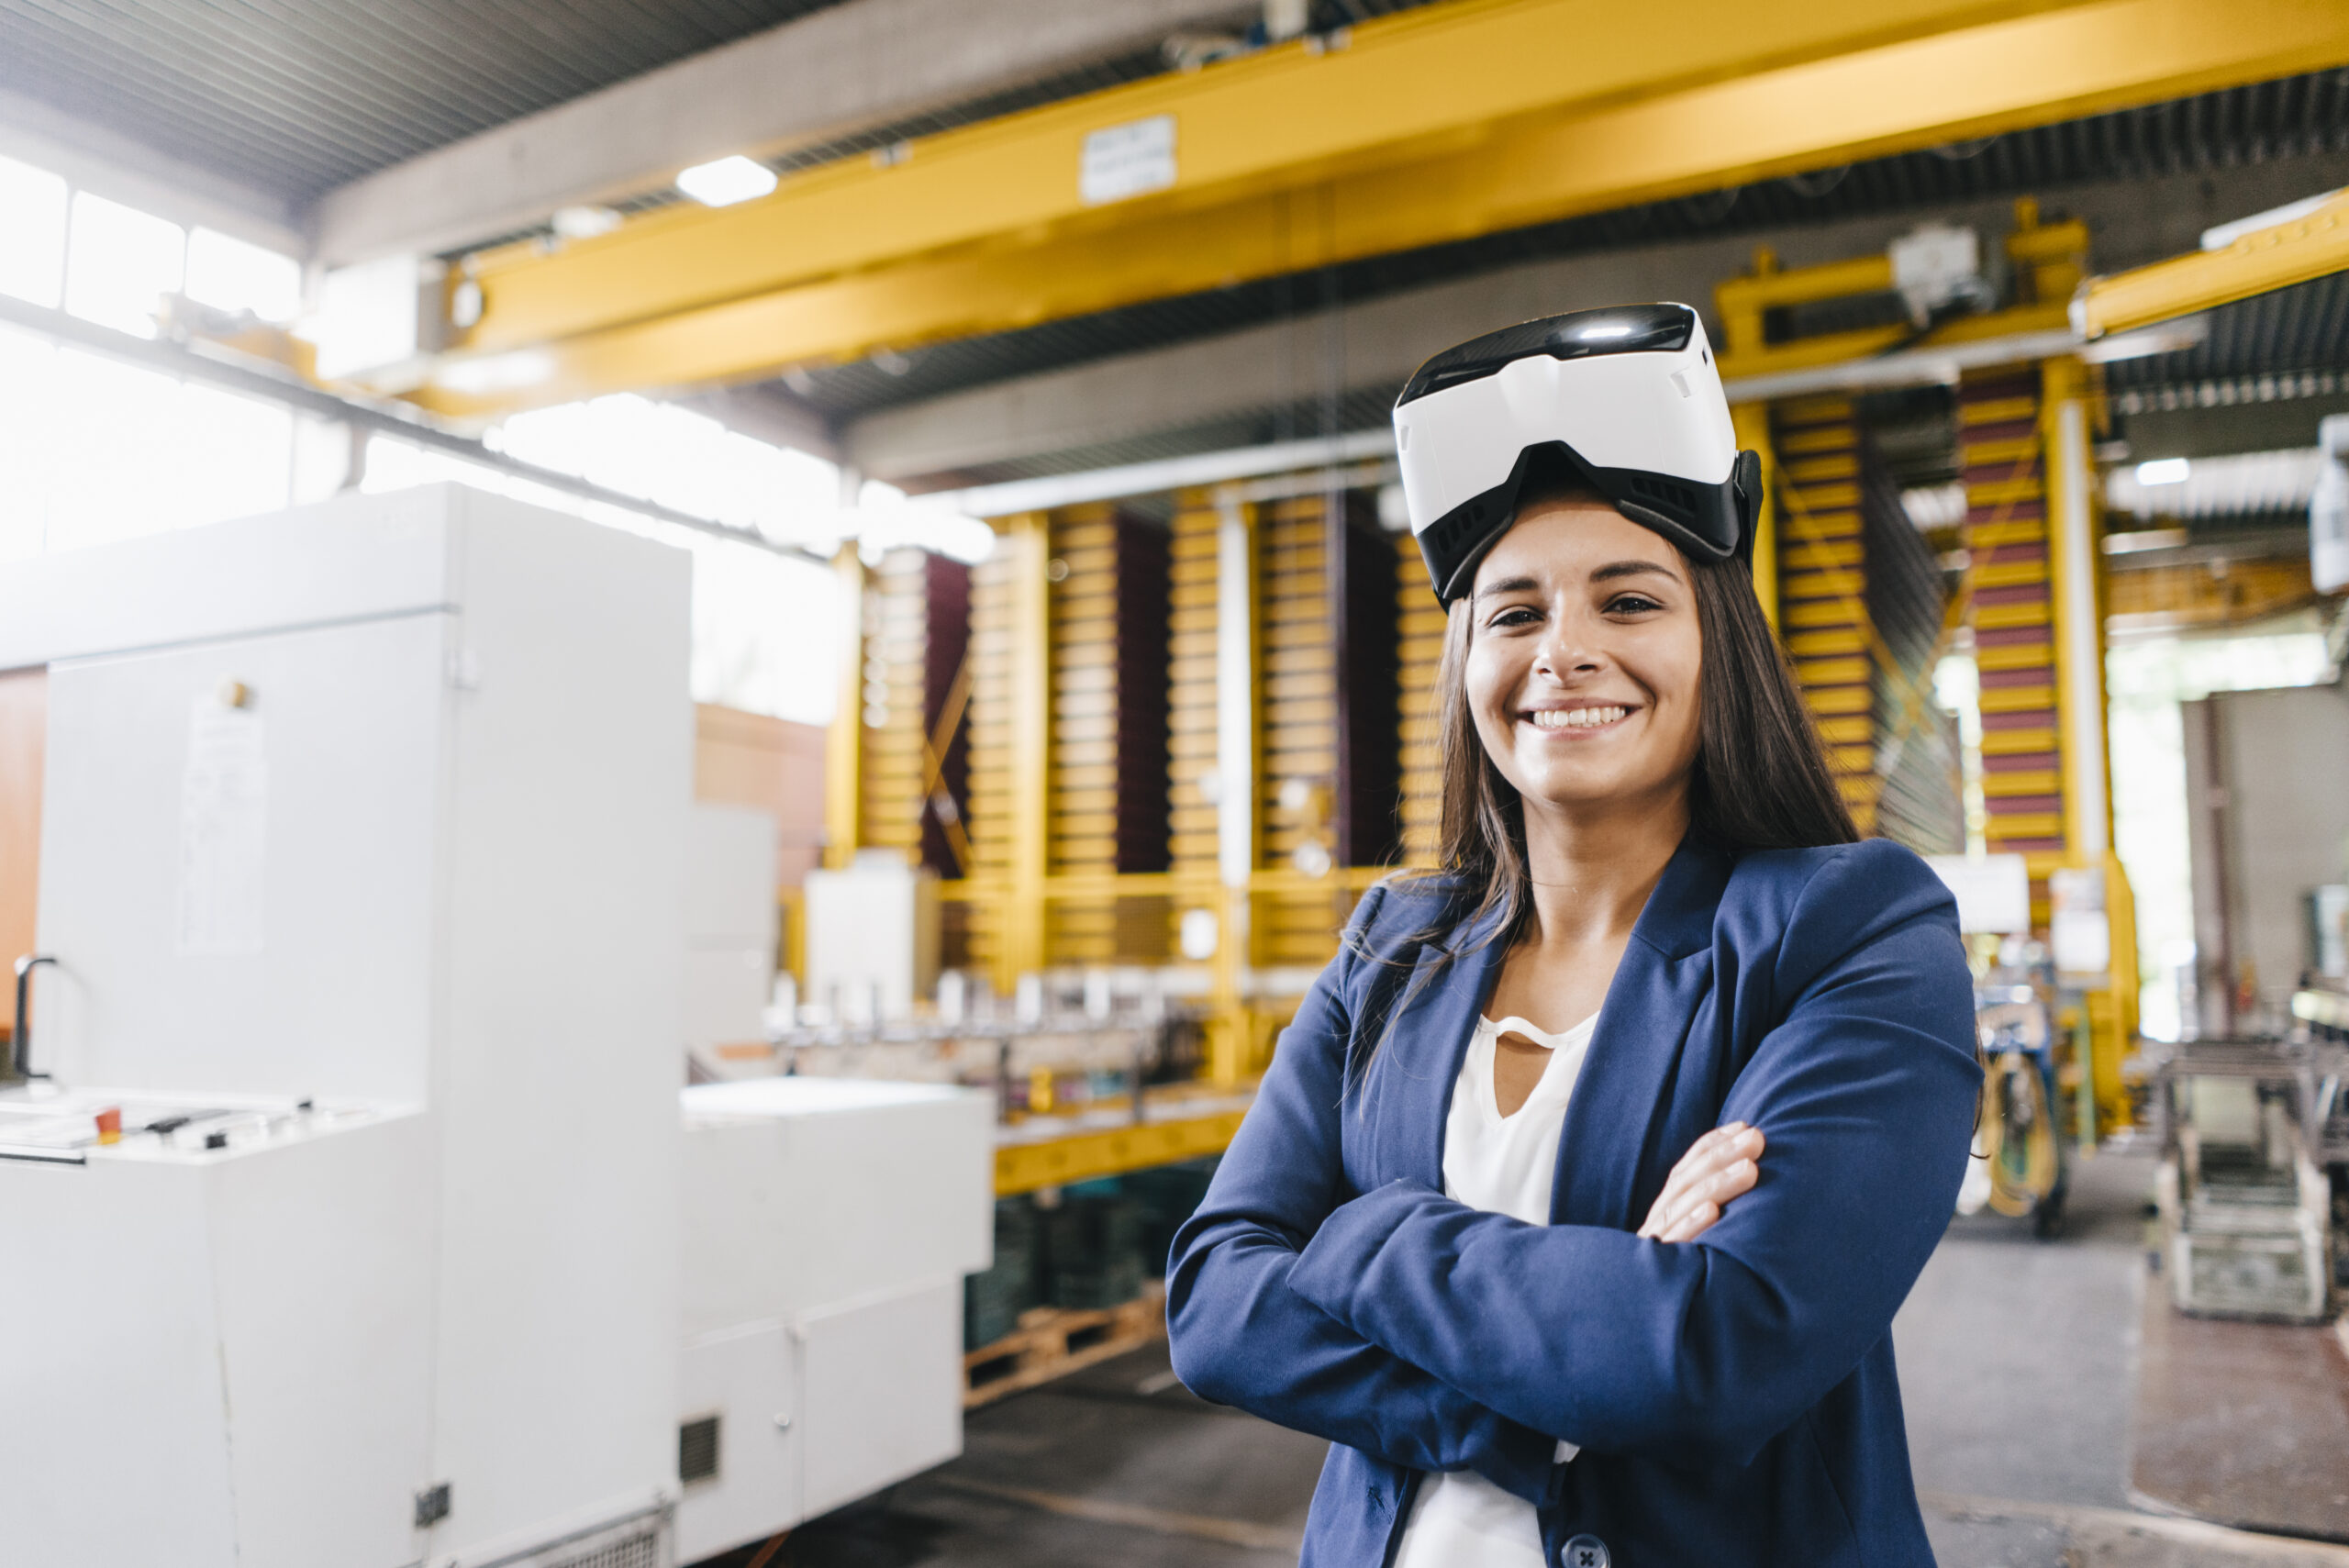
{"x":1421,"y":1059}
{"x":1628,"y":1073}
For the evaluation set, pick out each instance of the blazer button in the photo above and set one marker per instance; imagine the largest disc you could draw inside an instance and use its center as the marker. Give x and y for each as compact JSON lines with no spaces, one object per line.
{"x":1584,"y":1552}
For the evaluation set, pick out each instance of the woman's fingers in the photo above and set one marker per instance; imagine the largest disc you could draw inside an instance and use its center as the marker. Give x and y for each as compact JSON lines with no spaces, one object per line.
{"x":1711,"y":1196}
{"x":1696,"y":1164}
{"x":1708,"y":1156}
{"x":1719,"y":1166}
{"x":1719,"y":1187}
{"x":1704,"y":1157}
{"x":1707,"y":1159}
{"x":1692,"y":1224}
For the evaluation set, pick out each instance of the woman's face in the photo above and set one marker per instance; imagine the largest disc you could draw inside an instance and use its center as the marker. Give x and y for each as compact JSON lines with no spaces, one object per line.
{"x":1583,"y":658}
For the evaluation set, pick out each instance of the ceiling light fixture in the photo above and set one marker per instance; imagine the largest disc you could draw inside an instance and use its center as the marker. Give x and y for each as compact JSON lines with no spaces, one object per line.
{"x":727,"y":181}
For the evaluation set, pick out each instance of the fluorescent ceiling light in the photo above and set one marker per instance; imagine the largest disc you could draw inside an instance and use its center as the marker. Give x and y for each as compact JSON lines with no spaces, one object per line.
{"x":2129,"y":542}
{"x":2163,"y":471}
{"x":728,"y":181}
{"x":493,"y":374}
{"x":2226,"y":234}
{"x":586,"y":222}
{"x":2167,"y":338}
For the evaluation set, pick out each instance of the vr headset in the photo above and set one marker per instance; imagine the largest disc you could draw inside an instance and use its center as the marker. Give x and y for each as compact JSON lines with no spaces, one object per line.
{"x":1626,"y":400}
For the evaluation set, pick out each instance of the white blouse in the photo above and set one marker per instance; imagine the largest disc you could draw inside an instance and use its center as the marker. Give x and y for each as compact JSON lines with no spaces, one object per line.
{"x":1505,"y":1164}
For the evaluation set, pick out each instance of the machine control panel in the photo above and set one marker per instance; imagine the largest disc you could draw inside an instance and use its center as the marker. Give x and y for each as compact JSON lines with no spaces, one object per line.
{"x":71,"y":1127}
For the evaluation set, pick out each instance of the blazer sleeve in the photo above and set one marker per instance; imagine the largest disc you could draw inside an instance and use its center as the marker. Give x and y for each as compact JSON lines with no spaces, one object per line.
{"x":1241,"y":1335}
{"x":1704,"y":1351}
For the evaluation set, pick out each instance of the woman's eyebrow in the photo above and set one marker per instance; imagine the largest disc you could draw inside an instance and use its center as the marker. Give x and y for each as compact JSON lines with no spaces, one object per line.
{"x":1632,"y":569}
{"x":1507,"y":585}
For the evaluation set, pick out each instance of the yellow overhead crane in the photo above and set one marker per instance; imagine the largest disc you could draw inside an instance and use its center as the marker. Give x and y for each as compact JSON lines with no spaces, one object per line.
{"x":1441,"y":123}
{"x":2304,"y":241}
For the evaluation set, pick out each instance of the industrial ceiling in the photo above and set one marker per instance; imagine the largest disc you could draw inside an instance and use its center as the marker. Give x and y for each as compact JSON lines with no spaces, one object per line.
{"x":305,"y":96}
{"x":296,"y":96}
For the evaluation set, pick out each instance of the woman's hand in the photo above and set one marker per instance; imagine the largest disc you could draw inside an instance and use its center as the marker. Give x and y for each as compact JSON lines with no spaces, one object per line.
{"x":1717,"y":1167}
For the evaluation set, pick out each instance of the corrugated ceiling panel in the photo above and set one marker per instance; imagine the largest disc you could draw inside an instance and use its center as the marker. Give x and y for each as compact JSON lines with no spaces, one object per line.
{"x":297,"y":96}
{"x":2305,"y":327}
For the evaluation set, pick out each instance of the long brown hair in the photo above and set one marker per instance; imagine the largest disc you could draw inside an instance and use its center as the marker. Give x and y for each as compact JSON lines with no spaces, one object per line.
{"x":1760,"y":781}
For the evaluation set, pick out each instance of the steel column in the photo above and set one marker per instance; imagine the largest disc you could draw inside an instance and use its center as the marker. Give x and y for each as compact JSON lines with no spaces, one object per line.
{"x":1238,"y":797}
{"x":2073,"y":557}
{"x":1021,"y":948}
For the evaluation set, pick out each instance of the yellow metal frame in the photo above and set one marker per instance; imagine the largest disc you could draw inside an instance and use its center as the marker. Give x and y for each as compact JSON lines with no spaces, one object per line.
{"x":791,"y":907}
{"x":2053,"y":256}
{"x":2065,"y":383}
{"x":1751,"y":421}
{"x":845,"y":741}
{"x":2052,"y":260}
{"x":1085,"y":1156}
{"x":1437,"y":125}
{"x":2310,"y":246}
{"x":1022,"y":949}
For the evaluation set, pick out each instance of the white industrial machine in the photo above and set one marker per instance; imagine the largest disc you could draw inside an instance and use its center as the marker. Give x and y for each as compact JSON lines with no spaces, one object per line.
{"x":873,"y":937}
{"x":362,"y":849}
{"x":340,"y":1222}
{"x":730,"y":935}
{"x":828,"y":1226}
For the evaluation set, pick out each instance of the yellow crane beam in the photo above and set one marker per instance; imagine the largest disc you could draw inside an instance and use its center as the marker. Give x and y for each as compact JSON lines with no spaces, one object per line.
{"x":1442,"y":124}
{"x":2309,"y":243}
{"x":1273,"y":120}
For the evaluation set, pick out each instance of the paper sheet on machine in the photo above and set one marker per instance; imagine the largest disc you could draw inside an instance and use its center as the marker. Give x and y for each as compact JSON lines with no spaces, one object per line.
{"x":224,"y":833}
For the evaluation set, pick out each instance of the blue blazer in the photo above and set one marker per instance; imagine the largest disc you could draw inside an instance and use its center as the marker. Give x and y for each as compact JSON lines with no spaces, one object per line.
{"x":1734,"y":1396}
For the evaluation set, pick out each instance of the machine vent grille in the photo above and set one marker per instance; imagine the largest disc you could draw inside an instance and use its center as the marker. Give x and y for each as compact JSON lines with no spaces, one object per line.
{"x":640,"y":1541}
{"x":696,"y":1450}
{"x":641,"y":1549}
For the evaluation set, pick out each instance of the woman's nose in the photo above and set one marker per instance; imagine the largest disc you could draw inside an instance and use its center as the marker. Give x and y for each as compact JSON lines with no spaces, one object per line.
{"x":1565,"y":648}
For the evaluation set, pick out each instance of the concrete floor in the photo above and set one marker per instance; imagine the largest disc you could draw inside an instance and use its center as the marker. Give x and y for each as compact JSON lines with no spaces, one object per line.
{"x":2017,"y":1362}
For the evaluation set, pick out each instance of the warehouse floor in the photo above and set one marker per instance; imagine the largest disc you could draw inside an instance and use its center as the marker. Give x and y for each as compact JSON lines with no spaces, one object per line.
{"x":2018,"y":1361}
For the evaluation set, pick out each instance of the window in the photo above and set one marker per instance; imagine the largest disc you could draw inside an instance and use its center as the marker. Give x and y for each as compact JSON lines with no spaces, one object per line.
{"x":229,"y":274}
{"x":32,"y":241}
{"x":120,"y":264}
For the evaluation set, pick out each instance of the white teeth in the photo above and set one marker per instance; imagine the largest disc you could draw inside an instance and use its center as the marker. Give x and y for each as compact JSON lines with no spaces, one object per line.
{"x":1575,"y":718}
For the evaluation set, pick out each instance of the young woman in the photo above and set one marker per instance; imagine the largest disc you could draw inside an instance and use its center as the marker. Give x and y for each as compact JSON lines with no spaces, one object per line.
{"x":1577,"y":1202}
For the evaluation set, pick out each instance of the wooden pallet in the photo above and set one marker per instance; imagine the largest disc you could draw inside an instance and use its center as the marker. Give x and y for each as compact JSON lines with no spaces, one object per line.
{"x":1053,"y":1342}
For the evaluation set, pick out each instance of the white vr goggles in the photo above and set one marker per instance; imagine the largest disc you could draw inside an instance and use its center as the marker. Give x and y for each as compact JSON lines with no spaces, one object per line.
{"x":1627,"y":400}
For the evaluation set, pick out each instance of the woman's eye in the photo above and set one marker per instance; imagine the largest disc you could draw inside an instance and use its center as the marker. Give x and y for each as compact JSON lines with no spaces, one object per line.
{"x":1630,"y":604}
{"x":1515,"y":616}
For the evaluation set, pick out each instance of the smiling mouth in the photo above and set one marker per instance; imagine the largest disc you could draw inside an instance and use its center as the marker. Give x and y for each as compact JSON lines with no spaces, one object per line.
{"x":1575,"y":718}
